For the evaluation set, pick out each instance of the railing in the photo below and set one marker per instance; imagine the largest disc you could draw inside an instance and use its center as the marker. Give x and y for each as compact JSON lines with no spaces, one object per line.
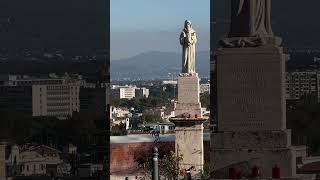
{"x":172,"y":131}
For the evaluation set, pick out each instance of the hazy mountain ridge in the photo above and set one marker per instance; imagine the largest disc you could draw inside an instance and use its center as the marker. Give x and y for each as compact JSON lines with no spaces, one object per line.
{"x":156,"y":65}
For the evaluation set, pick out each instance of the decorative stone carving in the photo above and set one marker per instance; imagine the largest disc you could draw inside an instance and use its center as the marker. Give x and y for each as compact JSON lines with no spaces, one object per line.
{"x":242,"y":42}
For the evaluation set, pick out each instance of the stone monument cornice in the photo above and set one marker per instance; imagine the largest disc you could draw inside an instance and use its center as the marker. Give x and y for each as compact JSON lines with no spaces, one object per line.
{"x":250,"y":42}
{"x":249,"y":50}
{"x":188,"y":74}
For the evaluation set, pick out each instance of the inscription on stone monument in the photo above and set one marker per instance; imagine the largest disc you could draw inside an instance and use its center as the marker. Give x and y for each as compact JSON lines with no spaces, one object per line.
{"x":249,"y":93}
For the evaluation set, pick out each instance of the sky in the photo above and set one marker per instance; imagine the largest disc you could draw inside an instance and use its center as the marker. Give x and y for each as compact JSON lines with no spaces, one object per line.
{"x":139,"y":26}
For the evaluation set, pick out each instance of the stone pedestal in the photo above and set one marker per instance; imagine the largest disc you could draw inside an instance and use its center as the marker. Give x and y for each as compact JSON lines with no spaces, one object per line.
{"x":262,"y":149}
{"x":2,"y":162}
{"x":189,"y":143}
{"x":188,"y":96}
{"x":251,"y":111}
{"x":189,"y":123}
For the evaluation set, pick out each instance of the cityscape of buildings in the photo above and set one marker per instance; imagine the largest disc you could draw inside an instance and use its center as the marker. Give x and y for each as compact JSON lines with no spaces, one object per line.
{"x":47,"y":96}
{"x":57,"y":97}
{"x":301,"y":84}
{"x":61,"y":118}
{"x":61,"y":96}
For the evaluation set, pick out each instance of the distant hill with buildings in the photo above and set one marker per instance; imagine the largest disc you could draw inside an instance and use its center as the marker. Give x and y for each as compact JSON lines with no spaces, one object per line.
{"x":156,"y":65}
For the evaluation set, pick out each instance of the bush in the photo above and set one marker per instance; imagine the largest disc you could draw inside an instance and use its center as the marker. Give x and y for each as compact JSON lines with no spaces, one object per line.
{"x":119,"y":130}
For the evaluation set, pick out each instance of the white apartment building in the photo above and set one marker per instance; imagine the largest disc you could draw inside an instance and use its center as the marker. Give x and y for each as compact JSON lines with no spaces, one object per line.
{"x":129,"y":92}
{"x":55,"y":100}
{"x":299,"y":84}
{"x":52,"y":95}
{"x":124,"y":92}
{"x":170,"y":82}
{"x":142,"y":92}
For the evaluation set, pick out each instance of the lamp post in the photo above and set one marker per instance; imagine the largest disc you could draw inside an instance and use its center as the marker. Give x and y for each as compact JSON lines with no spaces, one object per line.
{"x":155,"y":171}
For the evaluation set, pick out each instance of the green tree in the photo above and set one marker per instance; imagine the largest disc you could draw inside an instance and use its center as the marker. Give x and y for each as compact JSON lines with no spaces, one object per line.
{"x":119,"y":130}
{"x":135,"y":103}
{"x":115,"y":101}
{"x":207,"y":171}
{"x":156,"y":101}
{"x":169,"y":166}
{"x":205,"y":100}
{"x":168,"y":161}
{"x":170,"y":91}
{"x":149,"y":117}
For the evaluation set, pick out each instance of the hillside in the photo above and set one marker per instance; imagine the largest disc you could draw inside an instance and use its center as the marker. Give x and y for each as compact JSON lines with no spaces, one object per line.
{"x":156,"y":65}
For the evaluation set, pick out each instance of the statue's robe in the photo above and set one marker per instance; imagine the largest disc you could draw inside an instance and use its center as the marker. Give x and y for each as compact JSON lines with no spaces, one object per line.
{"x":250,"y":18}
{"x":188,"y":41}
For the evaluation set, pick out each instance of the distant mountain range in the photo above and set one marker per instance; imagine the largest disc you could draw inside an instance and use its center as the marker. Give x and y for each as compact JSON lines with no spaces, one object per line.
{"x":156,"y":65}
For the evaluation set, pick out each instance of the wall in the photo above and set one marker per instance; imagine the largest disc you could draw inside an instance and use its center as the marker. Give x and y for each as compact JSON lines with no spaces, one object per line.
{"x":122,"y":155}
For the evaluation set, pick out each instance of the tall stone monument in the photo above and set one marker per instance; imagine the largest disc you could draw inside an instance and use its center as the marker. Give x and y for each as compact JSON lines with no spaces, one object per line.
{"x":2,"y":161}
{"x":188,"y":116}
{"x":251,"y":109}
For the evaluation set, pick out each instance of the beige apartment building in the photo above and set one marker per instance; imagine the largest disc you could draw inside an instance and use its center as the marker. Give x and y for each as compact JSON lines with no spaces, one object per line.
{"x":55,"y":100}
